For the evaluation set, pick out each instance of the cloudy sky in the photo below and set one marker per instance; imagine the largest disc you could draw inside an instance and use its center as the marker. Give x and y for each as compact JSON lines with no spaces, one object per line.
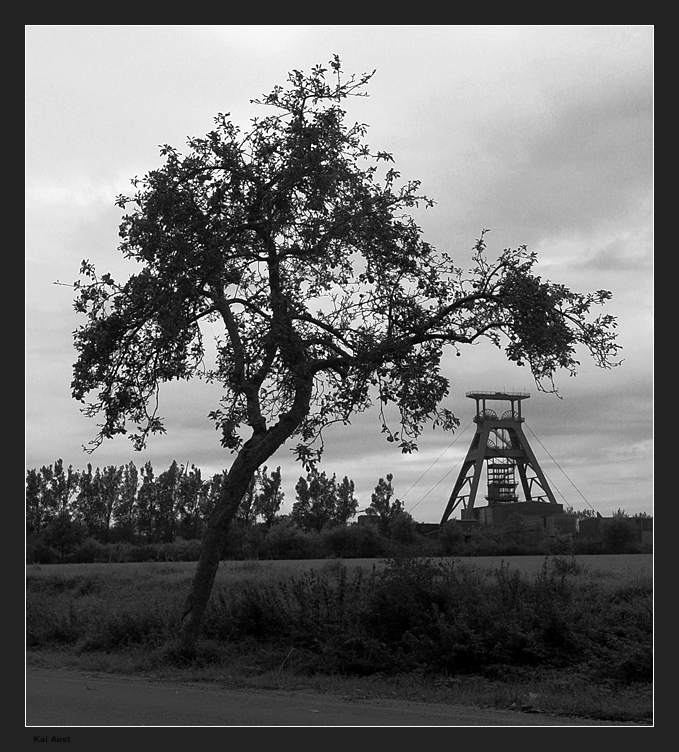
{"x":541,"y":133}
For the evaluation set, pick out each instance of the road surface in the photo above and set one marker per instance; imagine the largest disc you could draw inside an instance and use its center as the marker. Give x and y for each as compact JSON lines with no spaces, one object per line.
{"x":60,"y":698}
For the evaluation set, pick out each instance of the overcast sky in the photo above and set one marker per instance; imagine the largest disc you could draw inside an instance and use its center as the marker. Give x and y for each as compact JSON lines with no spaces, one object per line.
{"x":541,"y":133}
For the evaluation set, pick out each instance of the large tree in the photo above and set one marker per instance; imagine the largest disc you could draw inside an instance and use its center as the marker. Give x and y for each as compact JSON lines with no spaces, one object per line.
{"x":298,"y":239}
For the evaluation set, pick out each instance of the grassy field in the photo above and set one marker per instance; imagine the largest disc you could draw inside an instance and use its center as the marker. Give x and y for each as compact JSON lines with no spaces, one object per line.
{"x":612,"y":567}
{"x":566,"y":635}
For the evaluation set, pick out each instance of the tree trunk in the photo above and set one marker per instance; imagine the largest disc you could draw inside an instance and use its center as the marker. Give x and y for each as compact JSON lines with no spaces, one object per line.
{"x":252,"y":455}
{"x":233,"y":490}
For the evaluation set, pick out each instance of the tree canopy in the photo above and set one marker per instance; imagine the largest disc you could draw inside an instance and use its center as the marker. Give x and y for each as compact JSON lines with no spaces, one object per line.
{"x":381,"y":505}
{"x":298,"y":239}
{"x":323,"y":283}
{"x":323,"y":501}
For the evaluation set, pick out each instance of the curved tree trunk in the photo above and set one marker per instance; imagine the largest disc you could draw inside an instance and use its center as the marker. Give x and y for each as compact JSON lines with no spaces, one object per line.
{"x":212,"y":546}
{"x":254,"y":453}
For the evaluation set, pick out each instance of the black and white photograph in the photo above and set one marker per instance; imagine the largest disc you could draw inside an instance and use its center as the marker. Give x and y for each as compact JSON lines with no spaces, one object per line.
{"x":338,"y":376}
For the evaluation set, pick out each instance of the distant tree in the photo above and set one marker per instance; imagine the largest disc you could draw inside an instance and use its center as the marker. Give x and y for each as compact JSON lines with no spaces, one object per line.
{"x":59,"y":486}
{"x":64,"y":533}
{"x":147,"y":504}
{"x":210,"y":496}
{"x":65,"y":485}
{"x":269,"y":497}
{"x":346,"y":502}
{"x":109,"y":492}
{"x":322,"y":501}
{"x":125,"y":511}
{"x":297,"y":238}
{"x":580,"y":514}
{"x":36,"y":508}
{"x":89,"y":508}
{"x":168,"y":495}
{"x":190,"y":490}
{"x":50,"y":502}
{"x":381,"y":505}
{"x":315,"y":501}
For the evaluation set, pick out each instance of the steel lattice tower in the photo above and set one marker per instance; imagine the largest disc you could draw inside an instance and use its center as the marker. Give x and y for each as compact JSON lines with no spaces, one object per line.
{"x":501,"y":443}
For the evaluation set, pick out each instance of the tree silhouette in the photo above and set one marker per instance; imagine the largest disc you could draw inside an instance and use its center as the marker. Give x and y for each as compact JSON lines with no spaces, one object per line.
{"x":381,"y":505}
{"x":269,"y":497}
{"x":296,"y":238}
{"x":322,"y":501}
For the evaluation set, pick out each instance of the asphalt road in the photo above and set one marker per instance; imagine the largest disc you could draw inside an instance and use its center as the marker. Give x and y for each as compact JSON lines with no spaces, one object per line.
{"x":59,"y":698}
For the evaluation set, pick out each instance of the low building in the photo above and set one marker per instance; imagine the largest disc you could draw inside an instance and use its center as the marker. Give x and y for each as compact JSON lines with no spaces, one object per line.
{"x":541,"y":517}
{"x":498,"y":514}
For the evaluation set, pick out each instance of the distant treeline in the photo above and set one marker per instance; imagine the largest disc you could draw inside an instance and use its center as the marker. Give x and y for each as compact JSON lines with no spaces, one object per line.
{"x":121,"y":513}
{"x":70,"y":514}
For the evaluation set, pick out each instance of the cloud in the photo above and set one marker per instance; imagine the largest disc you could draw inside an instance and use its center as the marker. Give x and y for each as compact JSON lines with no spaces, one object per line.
{"x":75,"y":192}
{"x":631,"y":252}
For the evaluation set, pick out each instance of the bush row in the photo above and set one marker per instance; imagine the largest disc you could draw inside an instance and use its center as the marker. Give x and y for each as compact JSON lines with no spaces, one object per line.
{"x":285,"y":541}
{"x":411,"y":615}
{"x":422,"y":615}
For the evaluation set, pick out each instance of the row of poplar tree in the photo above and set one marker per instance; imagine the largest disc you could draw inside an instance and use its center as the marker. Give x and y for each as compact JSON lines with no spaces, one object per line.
{"x":126,"y":504}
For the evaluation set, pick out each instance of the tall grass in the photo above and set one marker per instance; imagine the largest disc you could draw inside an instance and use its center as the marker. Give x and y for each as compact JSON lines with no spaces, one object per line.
{"x":429,"y":616}
{"x":410,"y":615}
{"x":98,"y":611}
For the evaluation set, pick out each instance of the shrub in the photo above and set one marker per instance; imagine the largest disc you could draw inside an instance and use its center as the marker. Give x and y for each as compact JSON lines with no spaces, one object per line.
{"x":120,"y":552}
{"x":452,"y":539}
{"x":90,"y":551}
{"x":587,"y":547}
{"x":419,"y":614}
{"x":413,"y":613}
{"x":354,"y":542}
{"x":402,"y":529}
{"x":123,"y":628}
{"x":482,"y":543}
{"x":39,"y":552}
{"x":186,"y":550}
{"x":285,"y":541}
{"x":620,"y":536}
{"x":146,"y":552}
